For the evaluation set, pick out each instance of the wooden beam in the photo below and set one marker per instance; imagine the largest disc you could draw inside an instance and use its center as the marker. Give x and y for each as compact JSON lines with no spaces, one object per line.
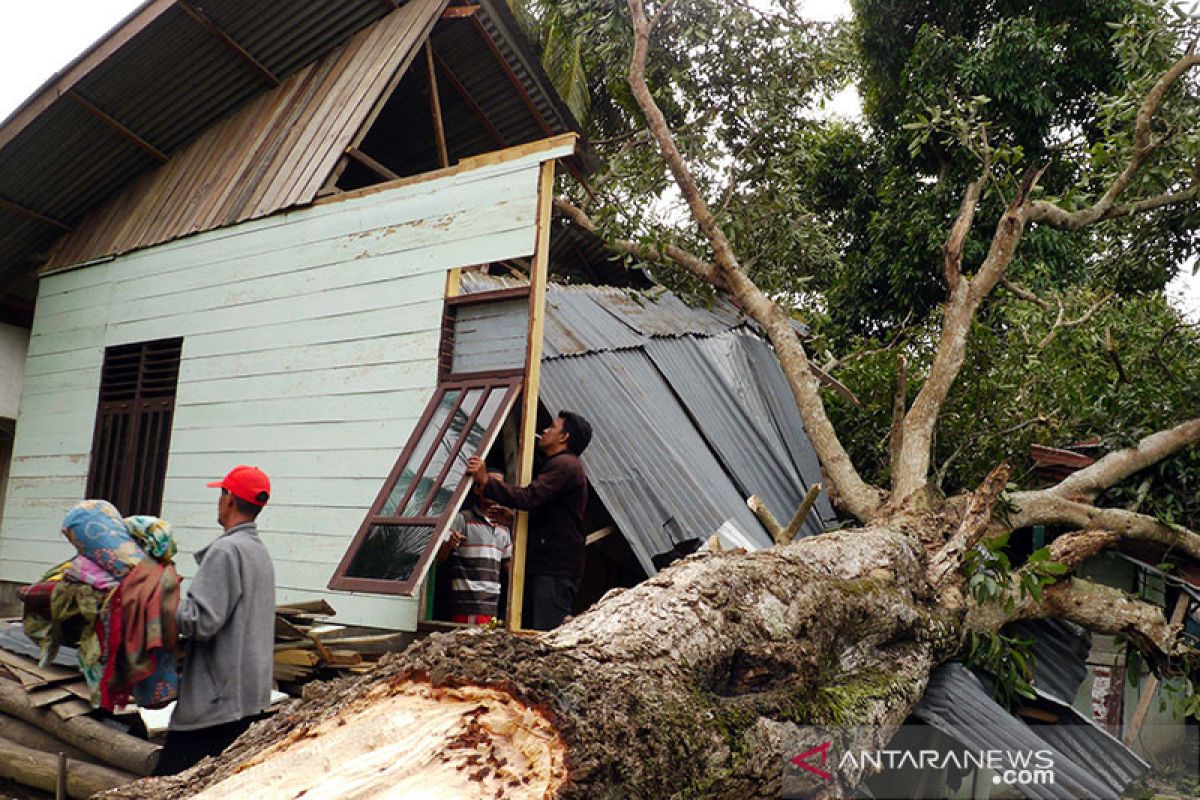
{"x":538,"y":277}
{"x":50,"y":772}
{"x":603,"y":533}
{"x":554,"y":147}
{"x":460,"y":12}
{"x":371,"y":164}
{"x":230,"y":43}
{"x":435,"y":106}
{"x":93,"y":737}
{"x":512,"y":77}
{"x":28,"y":213}
{"x":474,"y":107}
{"x":118,"y":126}
{"x":1151,"y":687}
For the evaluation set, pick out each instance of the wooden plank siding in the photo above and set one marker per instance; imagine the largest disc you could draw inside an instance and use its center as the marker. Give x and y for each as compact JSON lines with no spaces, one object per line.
{"x":310,"y":344}
{"x":274,"y":153}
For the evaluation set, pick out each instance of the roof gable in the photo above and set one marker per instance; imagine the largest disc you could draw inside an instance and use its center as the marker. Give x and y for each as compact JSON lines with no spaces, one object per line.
{"x":273,"y":153}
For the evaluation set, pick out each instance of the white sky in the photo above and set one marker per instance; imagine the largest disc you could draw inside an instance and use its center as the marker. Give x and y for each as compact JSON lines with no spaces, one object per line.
{"x":39,"y":38}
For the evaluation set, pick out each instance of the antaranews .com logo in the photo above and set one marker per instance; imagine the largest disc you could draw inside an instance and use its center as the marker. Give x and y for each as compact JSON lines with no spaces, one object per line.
{"x":810,"y":771}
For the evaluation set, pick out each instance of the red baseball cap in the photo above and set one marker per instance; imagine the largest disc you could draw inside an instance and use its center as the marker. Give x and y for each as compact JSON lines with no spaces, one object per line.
{"x":249,"y":483}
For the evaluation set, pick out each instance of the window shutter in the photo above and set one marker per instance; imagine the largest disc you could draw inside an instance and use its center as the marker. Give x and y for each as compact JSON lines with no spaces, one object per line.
{"x":133,"y":425}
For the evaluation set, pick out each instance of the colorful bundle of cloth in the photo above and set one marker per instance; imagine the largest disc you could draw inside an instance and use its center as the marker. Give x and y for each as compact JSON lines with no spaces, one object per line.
{"x":116,"y":602}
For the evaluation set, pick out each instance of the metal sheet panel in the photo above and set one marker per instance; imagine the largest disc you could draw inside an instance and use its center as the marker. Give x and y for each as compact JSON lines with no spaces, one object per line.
{"x":785,"y":416}
{"x":647,"y":462}
{"x":957,"y":704}
{"x":715,"y":381}
{"x":1060,"y":650}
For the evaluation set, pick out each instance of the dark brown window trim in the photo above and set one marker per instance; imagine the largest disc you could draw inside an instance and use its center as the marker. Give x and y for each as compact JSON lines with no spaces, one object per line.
{"x":341,"y":581}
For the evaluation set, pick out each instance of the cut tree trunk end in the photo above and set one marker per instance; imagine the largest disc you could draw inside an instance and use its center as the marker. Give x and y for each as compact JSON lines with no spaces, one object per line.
{"x":693,"y":684}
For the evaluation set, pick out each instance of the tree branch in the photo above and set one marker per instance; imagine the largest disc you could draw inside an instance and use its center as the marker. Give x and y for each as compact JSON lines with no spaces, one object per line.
{"x":856,"y":496}
{"x":959,"y":311}
{"x":1115,"y":467}
{"x":1060,"y":324}
{"x":952,"y":250}
{"x":1047,"y":508}
{"x":702,"y":269}
{"x":1023,"y":293}
{"x":974,"y":524}
{"x":1102,"y":609}
{"x":1143,"y":147}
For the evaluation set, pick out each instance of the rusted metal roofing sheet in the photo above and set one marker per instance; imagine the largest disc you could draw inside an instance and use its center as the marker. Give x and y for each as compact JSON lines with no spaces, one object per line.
{"x":1087,"y":761}
{"x":275,"y":152}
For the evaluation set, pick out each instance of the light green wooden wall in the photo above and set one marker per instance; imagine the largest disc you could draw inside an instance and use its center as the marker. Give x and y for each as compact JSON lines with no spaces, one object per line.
{"x":310,"y":345}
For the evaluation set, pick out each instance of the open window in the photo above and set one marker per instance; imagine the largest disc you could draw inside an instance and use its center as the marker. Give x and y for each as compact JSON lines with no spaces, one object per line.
{"x":396,"y":543}
{"x":481,"y":368}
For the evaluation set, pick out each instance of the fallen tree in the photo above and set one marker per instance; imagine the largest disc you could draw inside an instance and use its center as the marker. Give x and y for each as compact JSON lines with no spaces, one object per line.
{"x":702,"y":680}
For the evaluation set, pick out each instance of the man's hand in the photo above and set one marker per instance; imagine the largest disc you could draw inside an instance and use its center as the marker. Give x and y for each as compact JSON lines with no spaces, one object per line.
{"x":449,"y":546}
{"x":477,"y":469}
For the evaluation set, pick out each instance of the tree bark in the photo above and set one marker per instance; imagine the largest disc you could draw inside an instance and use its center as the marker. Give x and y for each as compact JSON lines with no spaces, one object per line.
{"x":692,"y":684}
{"x":105,"y":744}
{"x":39,"y":770}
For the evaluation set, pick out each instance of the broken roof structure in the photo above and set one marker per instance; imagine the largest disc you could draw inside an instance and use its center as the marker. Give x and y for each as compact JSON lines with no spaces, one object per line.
{"x":1087,"y":760}
{"x":274,"y":105}
{"x":691,"y":416}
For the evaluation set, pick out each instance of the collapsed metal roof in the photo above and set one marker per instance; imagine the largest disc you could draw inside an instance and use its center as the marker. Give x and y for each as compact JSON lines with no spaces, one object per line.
{"x":1088,"y":761}
{"x":690,"y":411}
{"x":1060,"y":649}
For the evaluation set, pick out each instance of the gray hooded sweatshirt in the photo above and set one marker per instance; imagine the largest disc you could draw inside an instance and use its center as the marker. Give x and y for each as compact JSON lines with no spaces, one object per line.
{"x":228,"y":618}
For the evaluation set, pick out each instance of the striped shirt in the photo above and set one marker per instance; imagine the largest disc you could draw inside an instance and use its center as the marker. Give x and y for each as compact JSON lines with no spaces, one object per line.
{"x":475,"y":565}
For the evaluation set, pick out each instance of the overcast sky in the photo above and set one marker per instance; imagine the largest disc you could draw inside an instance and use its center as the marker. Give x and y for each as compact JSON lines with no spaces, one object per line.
{"x":39,"y":38}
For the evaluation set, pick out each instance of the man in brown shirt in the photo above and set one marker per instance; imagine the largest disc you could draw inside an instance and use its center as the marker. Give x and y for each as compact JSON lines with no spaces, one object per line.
{"x":555,"y":500}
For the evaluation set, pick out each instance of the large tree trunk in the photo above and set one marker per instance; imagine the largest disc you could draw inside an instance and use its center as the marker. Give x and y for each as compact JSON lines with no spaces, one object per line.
{"x":692,"y":684}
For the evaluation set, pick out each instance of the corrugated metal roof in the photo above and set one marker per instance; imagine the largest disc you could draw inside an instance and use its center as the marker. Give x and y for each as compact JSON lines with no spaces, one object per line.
{"x":729,"y":402}
{"x":162,"y":75}
{"x":275,"y":152}
{"x":647,"y":462}
{"x":590,"y":319}
{"x":690,"y":410}
{"x":1060,"y":650}
{"x":1085,"y":764}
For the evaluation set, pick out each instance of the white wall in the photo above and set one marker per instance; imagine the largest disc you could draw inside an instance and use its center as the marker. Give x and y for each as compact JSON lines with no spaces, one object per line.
{"x":14,"y":342}
{"x":310,"y":347}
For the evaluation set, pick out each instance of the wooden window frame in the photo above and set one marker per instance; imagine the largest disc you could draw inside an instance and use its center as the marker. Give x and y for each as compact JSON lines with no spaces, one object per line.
{"x":511,"y":386}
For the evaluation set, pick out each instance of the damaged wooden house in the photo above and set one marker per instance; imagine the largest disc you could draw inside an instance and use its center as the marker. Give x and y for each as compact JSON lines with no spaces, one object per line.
{"x":322,"y":242}
{"x":319,"y":238}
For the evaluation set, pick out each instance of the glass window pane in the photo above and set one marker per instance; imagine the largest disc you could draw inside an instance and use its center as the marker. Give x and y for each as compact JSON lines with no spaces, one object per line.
{"x":390,"y":552}
{"x":470,"y":447}
{"x":426,"y":484}
{"x":449,"y":399}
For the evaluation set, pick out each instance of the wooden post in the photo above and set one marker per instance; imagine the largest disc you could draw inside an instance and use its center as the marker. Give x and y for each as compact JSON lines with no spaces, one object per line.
{"x":538,"y":276}
{"x":435,"y":104}
{"x":1151,"y":687}
{"x":810,"y":499}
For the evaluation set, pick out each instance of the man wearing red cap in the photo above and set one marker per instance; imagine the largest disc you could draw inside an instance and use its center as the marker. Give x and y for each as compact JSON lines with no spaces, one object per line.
{"x":228,"y":624}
